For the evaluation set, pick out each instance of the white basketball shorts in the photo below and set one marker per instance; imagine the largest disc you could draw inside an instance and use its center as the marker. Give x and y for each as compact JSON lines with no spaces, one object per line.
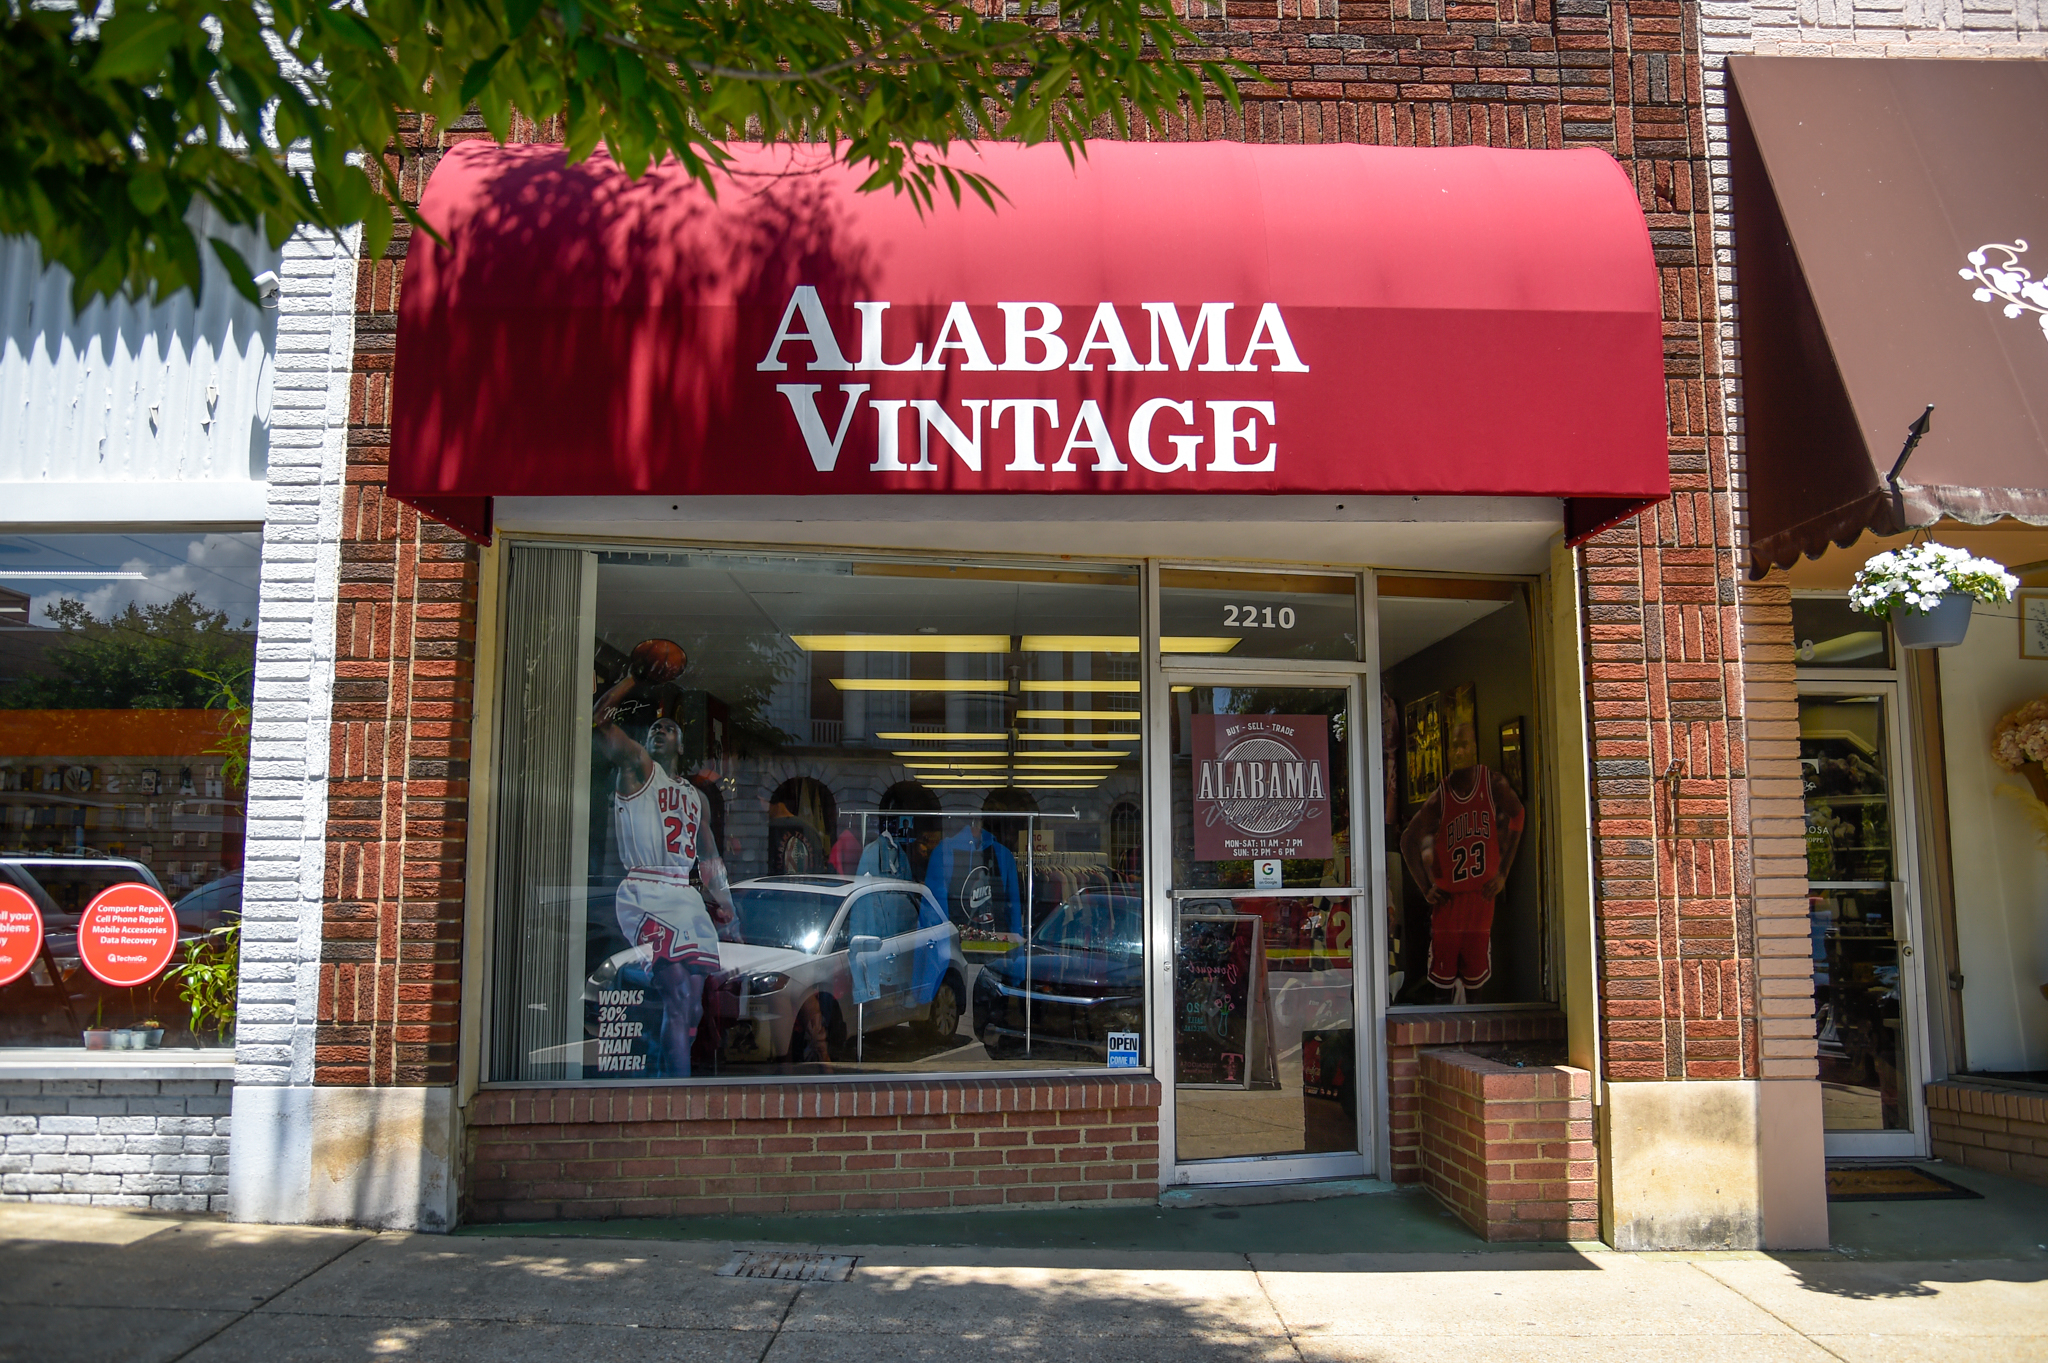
{"x":660,"y":908}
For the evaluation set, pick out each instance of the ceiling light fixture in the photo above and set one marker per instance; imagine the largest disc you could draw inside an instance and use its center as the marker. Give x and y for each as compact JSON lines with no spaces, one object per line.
{"x":902,"y":643}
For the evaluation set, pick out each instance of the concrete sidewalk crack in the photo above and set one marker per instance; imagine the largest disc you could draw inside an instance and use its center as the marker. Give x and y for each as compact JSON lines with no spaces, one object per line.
{"x":244,"y":1314}
{"x":1694,"y":1266}
{"x":1267,"y":1293}
{"x":783,"y":1320}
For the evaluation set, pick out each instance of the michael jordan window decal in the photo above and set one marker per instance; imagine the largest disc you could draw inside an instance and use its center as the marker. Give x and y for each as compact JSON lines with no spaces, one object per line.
{"x":1261,"y":786}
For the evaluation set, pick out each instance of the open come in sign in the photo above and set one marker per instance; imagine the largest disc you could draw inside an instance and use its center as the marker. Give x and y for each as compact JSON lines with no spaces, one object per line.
{"x":127,"y":935}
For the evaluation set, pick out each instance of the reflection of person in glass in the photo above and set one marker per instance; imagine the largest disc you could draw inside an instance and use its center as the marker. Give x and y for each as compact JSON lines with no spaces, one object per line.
{"x":661,"y":830}
{"x":1460,"y":847}
{"x":975,"y":876}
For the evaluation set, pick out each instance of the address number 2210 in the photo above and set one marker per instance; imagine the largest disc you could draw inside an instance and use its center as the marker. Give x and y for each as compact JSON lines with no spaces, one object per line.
{"x":1258,"y":617}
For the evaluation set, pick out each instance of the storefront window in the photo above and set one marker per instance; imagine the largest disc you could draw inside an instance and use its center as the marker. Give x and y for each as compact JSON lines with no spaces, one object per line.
{"x":771,"y":815}
{"x":1457,"y":712}
{"x":125,"y":667}
{"x":1827,"y":633}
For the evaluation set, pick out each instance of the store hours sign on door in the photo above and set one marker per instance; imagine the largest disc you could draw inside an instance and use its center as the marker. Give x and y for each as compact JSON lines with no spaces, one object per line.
{"x":1261,"y":786}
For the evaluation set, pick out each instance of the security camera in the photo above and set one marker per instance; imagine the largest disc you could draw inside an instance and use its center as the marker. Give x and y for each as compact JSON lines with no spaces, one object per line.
{"x":267,"y":288}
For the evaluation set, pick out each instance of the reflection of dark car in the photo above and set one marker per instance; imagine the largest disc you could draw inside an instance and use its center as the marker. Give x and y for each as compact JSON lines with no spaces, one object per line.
{"x":1081,"y":977}
{"x":216,"y":904}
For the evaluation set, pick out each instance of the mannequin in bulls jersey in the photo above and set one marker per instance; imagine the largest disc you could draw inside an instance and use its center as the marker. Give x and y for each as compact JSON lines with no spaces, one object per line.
{"x":661,"y":831}
{"x":1460,"y":847}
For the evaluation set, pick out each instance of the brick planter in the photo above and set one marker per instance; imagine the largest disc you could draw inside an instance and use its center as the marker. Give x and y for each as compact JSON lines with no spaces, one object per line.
{"x":1408,"y":1034}
{"x":1511,"y":1149}
{"x":1986,"y":1126}
{"x":733,"y":1149}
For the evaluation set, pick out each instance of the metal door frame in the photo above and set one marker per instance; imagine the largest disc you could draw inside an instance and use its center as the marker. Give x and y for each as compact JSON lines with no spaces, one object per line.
{"x":1360,"y":682}
{"x":1908,"y":929}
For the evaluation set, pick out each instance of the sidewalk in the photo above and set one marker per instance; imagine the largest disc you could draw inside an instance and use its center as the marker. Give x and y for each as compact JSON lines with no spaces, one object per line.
{"x":87,"y":1284}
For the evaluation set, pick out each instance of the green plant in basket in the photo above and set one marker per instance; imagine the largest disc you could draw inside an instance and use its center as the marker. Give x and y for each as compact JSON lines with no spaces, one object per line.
{"x":209,"y":979}
{"x":1915,"y":579}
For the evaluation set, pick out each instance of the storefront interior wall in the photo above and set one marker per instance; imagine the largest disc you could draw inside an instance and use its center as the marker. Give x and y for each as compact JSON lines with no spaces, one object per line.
{"x":2001,"y":877}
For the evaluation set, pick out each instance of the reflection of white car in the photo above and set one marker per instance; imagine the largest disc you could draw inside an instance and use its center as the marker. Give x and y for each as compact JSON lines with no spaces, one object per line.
{"x":789,"y":982}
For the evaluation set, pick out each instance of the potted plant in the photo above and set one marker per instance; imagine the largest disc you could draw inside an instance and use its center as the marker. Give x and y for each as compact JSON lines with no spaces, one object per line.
{"x":149,"y":1034}
{"x":99,"y":1037}
{"x":209,"y":980}
{"x":1927,"y":591}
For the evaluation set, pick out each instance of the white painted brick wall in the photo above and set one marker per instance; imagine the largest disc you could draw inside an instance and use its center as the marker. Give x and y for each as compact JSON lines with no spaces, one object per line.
{"x":155,"y":1144}
{"x":294,"y":684}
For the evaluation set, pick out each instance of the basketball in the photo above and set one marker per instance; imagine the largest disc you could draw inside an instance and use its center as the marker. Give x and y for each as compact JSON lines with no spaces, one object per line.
{"x":657,"y":660}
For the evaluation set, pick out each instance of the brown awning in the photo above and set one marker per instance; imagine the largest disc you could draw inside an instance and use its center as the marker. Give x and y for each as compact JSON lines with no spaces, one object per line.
{"x":1863,"y":190}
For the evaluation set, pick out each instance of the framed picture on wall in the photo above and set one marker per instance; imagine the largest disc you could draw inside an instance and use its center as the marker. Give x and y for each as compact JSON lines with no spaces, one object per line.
{"x":2033,"y":604}
{"x":1511,"y":762}
{"x":1422,"y":731}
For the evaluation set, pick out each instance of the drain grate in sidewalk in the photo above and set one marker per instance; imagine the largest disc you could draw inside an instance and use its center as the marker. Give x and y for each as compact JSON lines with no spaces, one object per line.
{"x":803,"y":1268}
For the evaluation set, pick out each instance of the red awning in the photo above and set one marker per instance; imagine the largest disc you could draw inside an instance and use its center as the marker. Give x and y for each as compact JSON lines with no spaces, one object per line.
{"x":1200,"y":318}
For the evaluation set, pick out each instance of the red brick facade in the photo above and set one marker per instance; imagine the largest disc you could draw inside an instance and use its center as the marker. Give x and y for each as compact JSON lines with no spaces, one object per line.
{"x":1511,"y":1149}
{"x":738,"y":1149}
{"x":397,"y":829}
{"x":1665,"y":607}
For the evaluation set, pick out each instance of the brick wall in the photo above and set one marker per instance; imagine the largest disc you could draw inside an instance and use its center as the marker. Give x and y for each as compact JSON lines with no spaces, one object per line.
{"x":160,"y":1144}
{"x":1511,"y":1149}
{"x":1987,"y":1126}
{"x":732,"y":1149}
{"x":1409,"y":1034}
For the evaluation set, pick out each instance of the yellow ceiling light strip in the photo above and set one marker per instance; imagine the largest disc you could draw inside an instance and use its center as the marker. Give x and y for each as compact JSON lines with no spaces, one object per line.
{"x":1115,"y":688}
{"x":900,"y":737}
{"x":1065,"y":766}
{"x":902,"y":643}
{"x":1128,"y":643}
{"x":1128,"y":716}
{"x":956,"y":766}
{"x":992,"y":687}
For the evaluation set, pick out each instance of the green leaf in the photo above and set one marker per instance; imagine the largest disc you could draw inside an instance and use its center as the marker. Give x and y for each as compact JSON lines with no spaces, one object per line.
{"x":519,"y":13}
{"x":238,"y":270}
{"x":146,"y":191}
{"x":135,"y":43}
{"x":479,"y":75}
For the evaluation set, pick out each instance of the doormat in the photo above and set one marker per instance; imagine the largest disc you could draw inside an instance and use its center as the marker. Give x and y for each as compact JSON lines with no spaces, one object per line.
{"x":802,"y":1268}
{"x":1892,"y":1183}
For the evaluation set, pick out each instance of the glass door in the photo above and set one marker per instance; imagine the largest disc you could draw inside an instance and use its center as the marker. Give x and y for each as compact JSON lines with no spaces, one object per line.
{"x":1866,"y":994}
{"x":1264,"y":1049}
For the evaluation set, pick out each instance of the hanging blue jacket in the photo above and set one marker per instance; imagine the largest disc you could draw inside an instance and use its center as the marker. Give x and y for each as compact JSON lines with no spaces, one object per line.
{"x":956,"y":858}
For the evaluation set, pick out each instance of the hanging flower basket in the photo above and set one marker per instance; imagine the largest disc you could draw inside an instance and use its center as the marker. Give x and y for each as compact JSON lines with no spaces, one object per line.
{"x":1928,"y":590}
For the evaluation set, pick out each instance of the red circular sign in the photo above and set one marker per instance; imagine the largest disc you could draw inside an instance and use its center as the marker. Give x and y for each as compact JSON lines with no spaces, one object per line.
{"x":21,"y":933}
{"x":127,"y":935}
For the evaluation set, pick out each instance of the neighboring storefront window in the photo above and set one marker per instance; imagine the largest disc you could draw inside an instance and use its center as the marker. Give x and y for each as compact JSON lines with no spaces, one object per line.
{"x":1457,"y":725}
{"x":125,"y":667}
{"x":1827,"y":633}
{"x":783,"y":814}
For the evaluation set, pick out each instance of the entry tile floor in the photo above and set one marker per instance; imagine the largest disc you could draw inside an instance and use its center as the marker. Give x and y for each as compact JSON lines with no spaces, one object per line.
{"x":111,"y":1287}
